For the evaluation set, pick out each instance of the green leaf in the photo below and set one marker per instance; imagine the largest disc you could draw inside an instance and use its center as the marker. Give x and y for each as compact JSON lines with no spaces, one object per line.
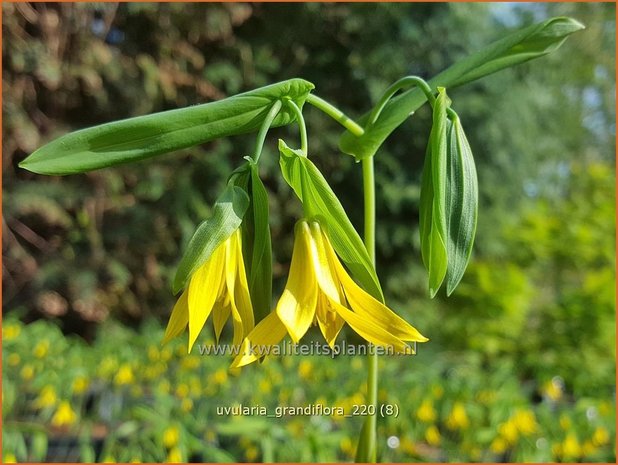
{"x":226,"y":218}
{"x":256,"y":241}
{"x":526,"y":44}
{"x":137,"y":138}
{"x":319,"y":200}
{"x":462,"y":204}
{"x":433,"y":221}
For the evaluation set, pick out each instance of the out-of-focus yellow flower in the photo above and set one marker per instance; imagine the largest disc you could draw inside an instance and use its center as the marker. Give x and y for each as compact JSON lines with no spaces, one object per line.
{"x":588,"y":448}
{"x":252,"y":453}
{"x":508,"y":430}
{"x":9,"y":457}
{"x":600,"y":436}
{"x":220,"y":376}
{"x":219,"y":286}
{"x":189,"y":362}
{"x":80,"y":385}
{"x":458,"y":418}
{"x":41,"y":349}
{"x":108,"y":366}
{"x":153,"y":353}
{"x":347,"y":447}
{"x":186,"y":405}
{"x":570,"y":447}
{"x":408,"y":446}
{"x":432,"y":436}
{"x":265,"y":386}
{"x":171,"y":436}
{"x":525,"y":422}
{"x":64,"y":416}
{"x":10,"y":332}
{"x":426,"y":412}
{"x":27,"y":372}
{"x":166,"y":354}
{"x":305,"y":369}
{"x":182,"y":390}
{"x":320,"y":292}
{"x":553,"y":390}
{"x":124,"y":375}
{"x":498,"y":445}
{"x":174,"y":455}
{"x":13,"y":360}
{"x":565,"y":422}
{"x":135,"y":460}
{"x":47,"y":398}
{"x":109,"y":459}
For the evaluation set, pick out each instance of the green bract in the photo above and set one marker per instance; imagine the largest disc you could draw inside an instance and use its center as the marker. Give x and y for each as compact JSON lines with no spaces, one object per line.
{"x":319,"y":200}
{"x":532,"y":42}
{"x":146,"y":136}
{"x":433,"y":221}
{"x":461,"y":203}
{"x":256,"y":241}
{"x":226,"y":218}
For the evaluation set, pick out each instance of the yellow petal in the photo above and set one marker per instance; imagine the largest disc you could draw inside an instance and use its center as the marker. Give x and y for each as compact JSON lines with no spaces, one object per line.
{"x":372,"y":332}
{"x":240,"y":294}
{"x":178,"y":319}
{"x":329,"y":320}
{"x":296,"y":307}
{"x":220,"y":314}
{"x":267,"y":333}
{"x":369,"y":308}
{"x":203,"y":291}
{"x":325,"y":274}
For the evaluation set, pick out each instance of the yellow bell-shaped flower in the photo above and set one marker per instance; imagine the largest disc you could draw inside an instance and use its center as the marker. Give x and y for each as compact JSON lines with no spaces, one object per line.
{"x":220,"y":287}
{"x":320,"y":291}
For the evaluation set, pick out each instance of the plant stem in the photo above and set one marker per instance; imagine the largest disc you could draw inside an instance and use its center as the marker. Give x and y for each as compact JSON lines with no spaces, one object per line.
{"x":369,"y":433}
{"x":336,"y":114}
{"x":301,"y":125}
{"x":402,"y":83}
{"x":268,"y":121}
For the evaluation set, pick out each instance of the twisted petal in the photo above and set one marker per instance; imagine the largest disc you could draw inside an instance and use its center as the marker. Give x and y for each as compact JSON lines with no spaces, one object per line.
{"x":324,"y":272}
{"x":296,"y":307}
{"x":178,"y":319}
{"x":203,"y":291}
{"x":238,"y":289}
{"x":368,"y":307}
{"x":268,"y":332}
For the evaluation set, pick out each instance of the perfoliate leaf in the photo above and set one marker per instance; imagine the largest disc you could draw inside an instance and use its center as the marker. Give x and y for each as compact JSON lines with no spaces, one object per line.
{"x":320,"y":201}
{"x":146,"y":136}
{"x":226,"y":218}
{"x":526,"y":44}
{"x":433,"y":222}
{"x":256,"y":242}
{"x":462,"y":204}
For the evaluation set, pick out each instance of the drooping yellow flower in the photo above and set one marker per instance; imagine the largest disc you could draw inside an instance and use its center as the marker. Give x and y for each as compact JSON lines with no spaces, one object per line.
{"x":219,"y":287}
{"x":64,"y":416}
{"x":320,"y":291}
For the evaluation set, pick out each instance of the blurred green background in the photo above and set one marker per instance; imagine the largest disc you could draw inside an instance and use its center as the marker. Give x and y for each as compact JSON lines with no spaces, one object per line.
{"x":521,"y":362}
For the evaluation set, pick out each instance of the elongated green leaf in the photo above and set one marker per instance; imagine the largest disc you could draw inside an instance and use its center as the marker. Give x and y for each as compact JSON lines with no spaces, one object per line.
{"x":462,"y":204}
{"x":319,"y":200}
{"x":146,"y":136}
{"x":526,"y":44}
{"x":226,"y":218}
{"x":257,"y":249}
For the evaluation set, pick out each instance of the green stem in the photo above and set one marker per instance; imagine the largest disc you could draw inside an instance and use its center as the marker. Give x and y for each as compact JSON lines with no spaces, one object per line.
{"x":268,"y":121}
{"x":401,"y":84}
{"x":336,"y":114}
{"x":301,"y":125}
{"x":369,"y":432}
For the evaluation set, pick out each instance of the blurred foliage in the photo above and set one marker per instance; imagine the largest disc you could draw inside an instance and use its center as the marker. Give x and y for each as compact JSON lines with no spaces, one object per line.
{"x":534,"y":316}
{"x":126,"y":398}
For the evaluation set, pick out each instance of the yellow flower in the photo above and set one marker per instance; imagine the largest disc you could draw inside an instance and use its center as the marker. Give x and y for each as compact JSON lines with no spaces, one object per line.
{"x":220,"y":287}
{"x":498,"y":445}
{"x":80,"y":385}
{"x":109,"y":459}
{"x":553,"y":390}
{"x":305,"y":369}
{"x":41,"y":349}
{"x":64,"y":416}
{"x":10,"y":332}
{"x":432,"y":436}
{"x":509,"y":431}
{"x":252,"y":453}
{"x":174,"y":456}
{"x":320,"y":291}
{"x":186,"y":405}
{"x":124,"y":375}
{"x":570,"y":447}
{"x":525,"y":422}
{"x":458,"y":418}
{"x":27,"y":372}
{"x":171,"y":436}
{"x":600,"y":436}
{"x":9,"y":458}
{"x":426,"y":412}
{"x":565,"y":422}
{"x":47,"y":398}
